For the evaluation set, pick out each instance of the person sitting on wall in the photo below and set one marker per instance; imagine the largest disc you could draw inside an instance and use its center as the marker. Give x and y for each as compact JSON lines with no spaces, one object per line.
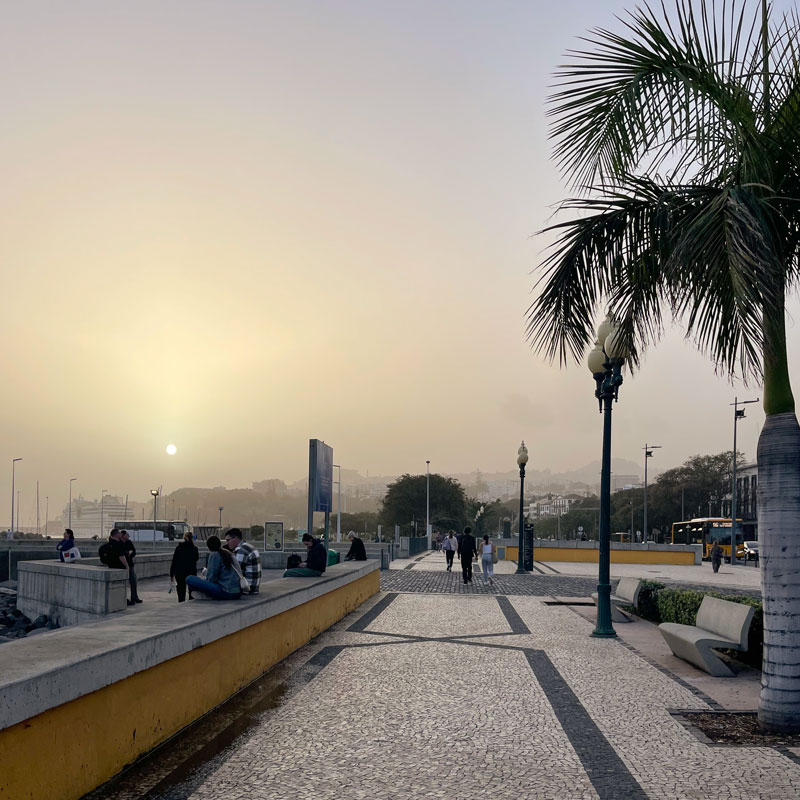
{"x":315,"y":563}
{"x":248,"y":557}
{"x":222,"y":579}
{"x":357,"y":551}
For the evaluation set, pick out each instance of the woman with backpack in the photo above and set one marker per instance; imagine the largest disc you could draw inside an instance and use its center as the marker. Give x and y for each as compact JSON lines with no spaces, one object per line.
{"x":222,"y":579}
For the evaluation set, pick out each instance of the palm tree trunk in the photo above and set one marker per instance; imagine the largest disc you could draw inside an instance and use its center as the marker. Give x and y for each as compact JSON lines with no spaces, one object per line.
{"x":779,"y":537}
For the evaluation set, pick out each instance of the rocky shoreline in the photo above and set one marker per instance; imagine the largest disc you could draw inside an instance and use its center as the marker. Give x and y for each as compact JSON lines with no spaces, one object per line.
{"x":13,"y":623}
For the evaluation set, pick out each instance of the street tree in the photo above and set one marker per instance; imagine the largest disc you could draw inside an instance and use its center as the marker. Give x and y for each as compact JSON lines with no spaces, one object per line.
{"x":405,"y":499}
{"x":680,"y":136}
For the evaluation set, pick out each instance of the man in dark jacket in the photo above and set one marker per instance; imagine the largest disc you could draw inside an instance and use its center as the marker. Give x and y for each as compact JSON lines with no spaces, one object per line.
{"x":357,"y":551}
{"x":315,"y":563}
{"x":114,"y":555}
{"x":467,"y":550}
{"x":130,"y":557}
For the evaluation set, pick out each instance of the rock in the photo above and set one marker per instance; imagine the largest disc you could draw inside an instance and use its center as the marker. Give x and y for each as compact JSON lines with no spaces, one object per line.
{"x":4,"y":639}
{"x":16,"y":612}
{"x":34,"y":631}
{"x":7,"y":592}
{"x":40,"y":621}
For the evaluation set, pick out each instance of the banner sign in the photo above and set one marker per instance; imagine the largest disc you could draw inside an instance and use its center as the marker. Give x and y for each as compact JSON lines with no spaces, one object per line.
{"x":320,"y":475}
{"x":273,"y":536}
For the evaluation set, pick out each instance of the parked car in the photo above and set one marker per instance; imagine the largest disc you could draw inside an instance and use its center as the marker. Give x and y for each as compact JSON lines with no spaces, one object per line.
{"x":751,"y":551}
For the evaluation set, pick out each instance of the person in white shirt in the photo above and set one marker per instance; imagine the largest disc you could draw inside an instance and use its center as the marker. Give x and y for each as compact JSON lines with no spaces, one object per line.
{"x":450,"y":545}
{"x":487,"y":559}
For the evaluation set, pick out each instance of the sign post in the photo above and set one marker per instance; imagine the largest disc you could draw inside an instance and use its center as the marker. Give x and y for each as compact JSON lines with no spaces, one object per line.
{"x":320,"y":483}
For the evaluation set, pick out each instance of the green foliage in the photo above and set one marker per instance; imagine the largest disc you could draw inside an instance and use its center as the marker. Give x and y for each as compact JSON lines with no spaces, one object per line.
{"x":648,"y":600}
{"x":404,"y":502}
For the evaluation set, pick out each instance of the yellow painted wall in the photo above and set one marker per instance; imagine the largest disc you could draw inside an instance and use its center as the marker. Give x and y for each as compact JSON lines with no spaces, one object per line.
{"x":118,"y":723}
{"x":586,"y":555}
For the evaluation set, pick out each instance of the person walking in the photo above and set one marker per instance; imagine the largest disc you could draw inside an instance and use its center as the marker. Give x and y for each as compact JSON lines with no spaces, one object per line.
{"x":222,"y":580}
{"x":487,"y":560}
{"x":184,"y":563}
{"x":467,"y":551}
{"x":130,"y":555}
{"x":716,"y":556}
{"x":450,"y":545}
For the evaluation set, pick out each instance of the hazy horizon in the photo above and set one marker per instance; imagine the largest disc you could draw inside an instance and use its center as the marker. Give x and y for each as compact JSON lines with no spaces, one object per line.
{"x":236,"y":226}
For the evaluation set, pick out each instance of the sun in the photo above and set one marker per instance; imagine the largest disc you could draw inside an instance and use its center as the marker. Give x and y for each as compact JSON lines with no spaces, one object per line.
{"x":171,"y":449}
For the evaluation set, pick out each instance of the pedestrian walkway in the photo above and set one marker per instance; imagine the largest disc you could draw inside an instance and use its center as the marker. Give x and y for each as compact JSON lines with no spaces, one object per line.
{"x":464,"y":697}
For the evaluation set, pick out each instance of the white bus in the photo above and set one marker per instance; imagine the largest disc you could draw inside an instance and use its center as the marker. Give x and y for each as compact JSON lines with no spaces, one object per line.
{"x":142,"y":530}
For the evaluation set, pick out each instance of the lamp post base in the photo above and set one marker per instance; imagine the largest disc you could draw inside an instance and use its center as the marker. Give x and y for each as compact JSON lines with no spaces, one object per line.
{"x":521,"y":571}
{"x":604,"y":629}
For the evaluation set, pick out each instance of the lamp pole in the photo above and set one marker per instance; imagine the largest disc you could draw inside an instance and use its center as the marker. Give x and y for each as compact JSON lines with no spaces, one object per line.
{"x":605,"y":363}
{"x":155,"y":494}
{"x":339,"y":506}
{"x":738,"y":413}
{"x":13,"y":470}
{"x":70,"y":501}
{"x":428,"y":502}
{"x":221,"y":508}
{"x":46,"y":513}
{"x":648,"y":453}
{"x":522,"y":460}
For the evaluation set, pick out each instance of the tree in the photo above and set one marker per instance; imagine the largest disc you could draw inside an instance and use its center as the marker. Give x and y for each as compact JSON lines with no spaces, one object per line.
{"x":681,"y":138}
{"x":404,"y":502}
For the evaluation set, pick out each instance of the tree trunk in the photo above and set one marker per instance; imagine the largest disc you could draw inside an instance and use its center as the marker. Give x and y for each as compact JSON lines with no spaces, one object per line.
{"x":779,"y":554}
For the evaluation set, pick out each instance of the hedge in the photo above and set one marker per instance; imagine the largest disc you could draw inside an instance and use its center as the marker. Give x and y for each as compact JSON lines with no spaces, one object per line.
{"x":657,"y":603}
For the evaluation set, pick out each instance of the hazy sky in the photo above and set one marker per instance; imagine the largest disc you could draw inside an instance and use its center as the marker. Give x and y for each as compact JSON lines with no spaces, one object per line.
{"x":237,"y":225}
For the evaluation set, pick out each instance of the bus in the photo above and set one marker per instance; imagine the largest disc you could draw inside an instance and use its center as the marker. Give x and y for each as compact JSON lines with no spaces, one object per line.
{"x":141,"y":530}
{"x":707,"y":530}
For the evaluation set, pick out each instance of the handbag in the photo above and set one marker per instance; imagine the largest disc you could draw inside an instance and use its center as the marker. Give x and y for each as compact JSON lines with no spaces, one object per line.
{"x":244,"y":584}
{"x":494,"y":555}
{"x":72,"y":555}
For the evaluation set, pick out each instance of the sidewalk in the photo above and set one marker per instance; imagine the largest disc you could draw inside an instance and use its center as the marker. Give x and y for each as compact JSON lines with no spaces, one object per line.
{"x":464,"y":697}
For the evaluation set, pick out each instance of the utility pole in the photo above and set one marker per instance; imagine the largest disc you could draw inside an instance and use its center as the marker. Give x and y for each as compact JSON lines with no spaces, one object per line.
{"x":648,"y":453}
{"x":738,"y":413}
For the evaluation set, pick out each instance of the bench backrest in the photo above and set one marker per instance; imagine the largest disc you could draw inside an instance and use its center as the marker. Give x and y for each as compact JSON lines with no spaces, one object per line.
{"x":728,"y":620}
{"x":628,"y":589}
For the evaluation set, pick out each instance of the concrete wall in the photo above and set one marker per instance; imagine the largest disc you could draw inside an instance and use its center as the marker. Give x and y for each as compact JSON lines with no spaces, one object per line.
{"x":121,"y":688}
{"x":621,"y":553}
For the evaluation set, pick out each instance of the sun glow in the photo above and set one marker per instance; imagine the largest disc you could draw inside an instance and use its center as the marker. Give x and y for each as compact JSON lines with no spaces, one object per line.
{"x":171,"y":449}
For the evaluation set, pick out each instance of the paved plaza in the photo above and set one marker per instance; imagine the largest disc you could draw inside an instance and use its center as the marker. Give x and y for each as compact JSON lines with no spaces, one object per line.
{"x":497,"y":695}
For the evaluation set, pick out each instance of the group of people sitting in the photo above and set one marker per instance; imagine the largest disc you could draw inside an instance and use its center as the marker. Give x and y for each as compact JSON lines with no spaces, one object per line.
{"x":232,"y":569}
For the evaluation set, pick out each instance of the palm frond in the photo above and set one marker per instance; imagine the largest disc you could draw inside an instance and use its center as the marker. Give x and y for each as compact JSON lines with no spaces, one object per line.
{"x":680,"y":91}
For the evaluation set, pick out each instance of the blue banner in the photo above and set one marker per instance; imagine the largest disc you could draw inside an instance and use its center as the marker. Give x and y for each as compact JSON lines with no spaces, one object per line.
{"x":321,"y":475}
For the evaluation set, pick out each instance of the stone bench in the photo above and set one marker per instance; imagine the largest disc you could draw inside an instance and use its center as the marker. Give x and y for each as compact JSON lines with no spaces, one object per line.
{"x":626,"y":594}
{"x":719,"y":623}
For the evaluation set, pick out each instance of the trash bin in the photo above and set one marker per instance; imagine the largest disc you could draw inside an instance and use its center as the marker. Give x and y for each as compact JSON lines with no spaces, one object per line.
{"x":333,"y":557}
{"x":384,"y":559}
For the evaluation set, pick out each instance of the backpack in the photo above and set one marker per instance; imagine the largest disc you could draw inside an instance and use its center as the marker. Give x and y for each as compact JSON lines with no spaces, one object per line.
{"x":104,"y":552}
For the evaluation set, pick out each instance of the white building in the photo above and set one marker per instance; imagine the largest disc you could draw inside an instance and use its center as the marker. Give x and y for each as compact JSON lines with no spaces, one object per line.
{"x":94,"y":517}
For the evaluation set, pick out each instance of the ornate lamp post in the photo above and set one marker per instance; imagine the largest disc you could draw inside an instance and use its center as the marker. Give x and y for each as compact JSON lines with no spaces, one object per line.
{"x":605,"y":363}
{"x":522,"y":460}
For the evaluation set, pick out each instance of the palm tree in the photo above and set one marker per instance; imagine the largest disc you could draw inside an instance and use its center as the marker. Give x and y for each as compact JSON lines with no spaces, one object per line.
{"x":681,"y":136}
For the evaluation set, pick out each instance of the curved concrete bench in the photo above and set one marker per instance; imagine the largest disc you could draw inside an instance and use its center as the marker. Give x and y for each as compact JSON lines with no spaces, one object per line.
{"x":720,"y":623}
{"x":626,"y":594}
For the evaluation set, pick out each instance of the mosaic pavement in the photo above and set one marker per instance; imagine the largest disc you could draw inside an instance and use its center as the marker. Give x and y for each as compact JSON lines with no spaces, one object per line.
{"x":460,"y":697}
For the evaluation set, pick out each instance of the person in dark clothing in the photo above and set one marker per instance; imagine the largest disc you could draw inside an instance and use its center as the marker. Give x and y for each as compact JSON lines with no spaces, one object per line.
{"x":66,"y":544}
{"x":716,"y":556}
{"x":114,"y":555}
{"x":357,"y":551}
{"x":467,"y":550}
{"x":184,"y":563}
{"x":130,"y":556}
{"x":315,"y":563}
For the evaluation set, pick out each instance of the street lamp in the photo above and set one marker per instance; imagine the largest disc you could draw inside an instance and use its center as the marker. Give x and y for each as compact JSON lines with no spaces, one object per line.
{"x":155,"y":494}
{"x":738,"y":413}
{"x":428,"y":503}
{"x":522,"y":460}
{"x":102,"y":500}
{"x":70,"y":501}
{"x":339,"y":506}
{"x":13,"y":469}
{"x":221,"y":509}
{"x":46,"y":513}
{"x":605,"y":363}
{"x":648,"y":453}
